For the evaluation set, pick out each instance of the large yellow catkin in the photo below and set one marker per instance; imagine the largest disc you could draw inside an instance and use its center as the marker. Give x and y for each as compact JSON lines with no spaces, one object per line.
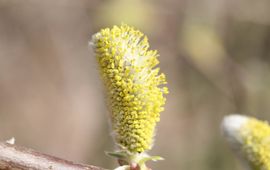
{"x":256,"y":143}
{"x":133,"y":85}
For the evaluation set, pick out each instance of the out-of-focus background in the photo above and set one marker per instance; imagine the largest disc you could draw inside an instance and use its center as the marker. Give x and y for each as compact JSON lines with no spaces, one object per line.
{"x":215,"y":53}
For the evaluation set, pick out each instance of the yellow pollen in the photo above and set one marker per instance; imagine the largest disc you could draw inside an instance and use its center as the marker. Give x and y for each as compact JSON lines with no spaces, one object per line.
{"x":134,"y":85}
{"x":256,"y":143}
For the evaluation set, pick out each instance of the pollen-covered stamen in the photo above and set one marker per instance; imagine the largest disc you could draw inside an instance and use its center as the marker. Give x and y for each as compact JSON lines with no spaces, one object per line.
{"x":251,"y":137}
{"x":256,"y":143}
{"x":133,"y":85}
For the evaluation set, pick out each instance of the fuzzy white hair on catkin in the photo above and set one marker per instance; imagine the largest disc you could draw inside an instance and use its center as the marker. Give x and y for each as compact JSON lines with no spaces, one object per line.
{"x":230,"y":127}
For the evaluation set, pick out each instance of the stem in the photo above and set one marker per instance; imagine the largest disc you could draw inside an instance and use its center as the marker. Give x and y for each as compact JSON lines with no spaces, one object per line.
{"x":20,"y":158}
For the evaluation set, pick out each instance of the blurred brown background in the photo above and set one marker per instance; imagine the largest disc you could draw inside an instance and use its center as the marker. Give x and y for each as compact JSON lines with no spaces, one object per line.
{"x":215,"y":53}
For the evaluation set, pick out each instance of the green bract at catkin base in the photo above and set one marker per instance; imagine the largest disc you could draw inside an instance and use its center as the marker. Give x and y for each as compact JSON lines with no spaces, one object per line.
{"x":134,"y":90}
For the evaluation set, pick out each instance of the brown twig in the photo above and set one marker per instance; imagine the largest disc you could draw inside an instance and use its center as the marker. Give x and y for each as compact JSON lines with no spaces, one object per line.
{"x":19,"y":158}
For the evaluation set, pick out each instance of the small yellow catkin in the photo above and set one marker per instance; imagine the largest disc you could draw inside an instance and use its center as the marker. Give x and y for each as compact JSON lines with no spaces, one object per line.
{"x":256,"y":143}
{"x":133,"y":85}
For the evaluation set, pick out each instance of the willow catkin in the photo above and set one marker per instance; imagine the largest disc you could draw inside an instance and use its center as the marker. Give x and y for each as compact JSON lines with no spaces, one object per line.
{"x":251,"y":137}
{"x":133,"y":83}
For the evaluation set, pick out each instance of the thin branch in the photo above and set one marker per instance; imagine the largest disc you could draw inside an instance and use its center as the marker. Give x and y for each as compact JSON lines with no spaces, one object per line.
{"x":19,"y":158}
